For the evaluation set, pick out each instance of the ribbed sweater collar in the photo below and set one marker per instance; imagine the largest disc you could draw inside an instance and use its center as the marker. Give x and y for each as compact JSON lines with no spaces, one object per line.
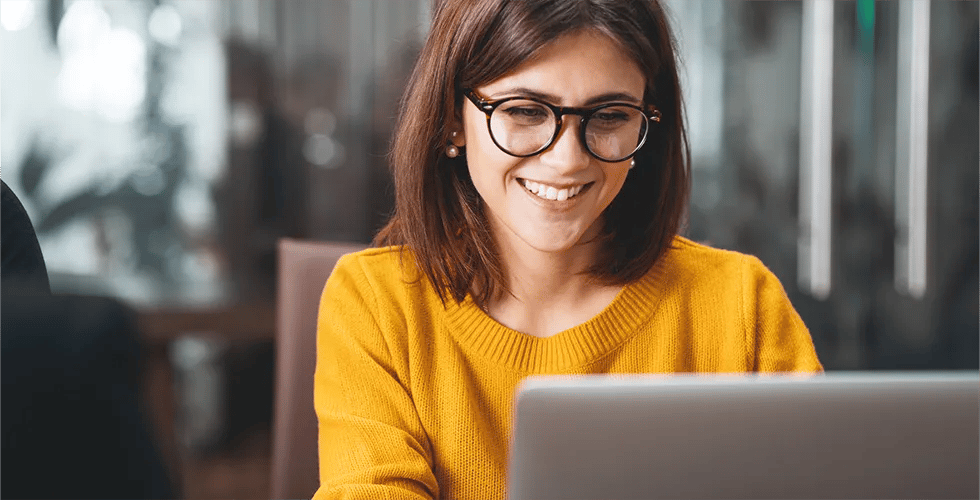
{"x":620,"y":320}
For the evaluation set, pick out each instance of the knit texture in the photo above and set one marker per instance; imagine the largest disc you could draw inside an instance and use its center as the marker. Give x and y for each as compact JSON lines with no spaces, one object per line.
{"x":414,"y":398}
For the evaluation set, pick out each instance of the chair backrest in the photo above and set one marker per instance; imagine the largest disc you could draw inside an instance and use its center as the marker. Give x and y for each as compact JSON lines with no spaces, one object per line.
{"x":304,"y":267}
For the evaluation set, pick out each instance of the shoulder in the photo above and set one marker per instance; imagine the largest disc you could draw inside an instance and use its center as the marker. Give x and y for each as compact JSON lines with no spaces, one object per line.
{"x":373,"y":261}
{"x":689,"y":259}
{"x":385,"y":273}
{"x":740,"y":289}
{"x":710,"y":272}
{"x":377,"y":297}
{"x":701,"y":269}
{"x":23,"y":267}
{"x":383,"y":263}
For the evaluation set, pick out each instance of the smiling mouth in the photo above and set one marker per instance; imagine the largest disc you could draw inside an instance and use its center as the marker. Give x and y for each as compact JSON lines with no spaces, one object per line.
{"x":553,"y":193}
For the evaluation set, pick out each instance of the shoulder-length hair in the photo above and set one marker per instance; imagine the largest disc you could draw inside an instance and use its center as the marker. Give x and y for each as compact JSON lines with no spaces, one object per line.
{"x":438,"y":213}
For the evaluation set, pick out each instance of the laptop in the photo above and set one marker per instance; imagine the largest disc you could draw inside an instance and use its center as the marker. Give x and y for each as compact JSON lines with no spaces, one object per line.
{"x":834,"y":435}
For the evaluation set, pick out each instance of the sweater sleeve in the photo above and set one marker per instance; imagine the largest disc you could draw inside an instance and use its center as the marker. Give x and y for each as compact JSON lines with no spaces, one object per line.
{"x":780,"y":341}
{"x":371,"y":441}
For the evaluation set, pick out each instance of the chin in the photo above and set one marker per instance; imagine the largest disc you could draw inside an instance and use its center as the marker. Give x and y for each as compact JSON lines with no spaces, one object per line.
{"x":547,"y":237}
{"x":552,"y":245}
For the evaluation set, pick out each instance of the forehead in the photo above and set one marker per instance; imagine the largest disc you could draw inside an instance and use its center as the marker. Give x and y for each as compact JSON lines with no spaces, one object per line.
{"x":574,"y":68}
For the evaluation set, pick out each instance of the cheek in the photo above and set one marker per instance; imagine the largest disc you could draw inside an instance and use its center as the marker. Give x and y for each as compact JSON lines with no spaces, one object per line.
{"x":490,"y":174}
{"x":480,"y":148}
{"x":616,"y":177}
{"x":488,"y":166}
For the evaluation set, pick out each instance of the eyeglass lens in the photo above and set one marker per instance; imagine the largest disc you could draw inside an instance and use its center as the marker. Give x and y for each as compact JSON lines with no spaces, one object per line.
{"x":523,"y":127}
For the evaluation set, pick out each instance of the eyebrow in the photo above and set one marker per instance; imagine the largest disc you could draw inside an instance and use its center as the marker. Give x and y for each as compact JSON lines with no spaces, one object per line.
{"x":544,"y":96}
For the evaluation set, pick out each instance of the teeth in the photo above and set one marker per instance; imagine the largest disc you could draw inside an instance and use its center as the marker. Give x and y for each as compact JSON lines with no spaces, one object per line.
{"x":552,"y":193}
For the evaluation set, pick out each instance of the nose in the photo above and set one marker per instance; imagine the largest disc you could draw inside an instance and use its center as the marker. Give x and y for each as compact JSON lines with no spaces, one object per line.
{"x":567,"y":154}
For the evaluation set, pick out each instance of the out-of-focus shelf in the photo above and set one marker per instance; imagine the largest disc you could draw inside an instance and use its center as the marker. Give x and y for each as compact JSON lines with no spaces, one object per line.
{"x":237,"y":323}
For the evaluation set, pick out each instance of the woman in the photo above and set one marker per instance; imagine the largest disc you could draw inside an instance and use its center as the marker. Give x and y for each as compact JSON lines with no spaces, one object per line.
{"x":541,"y":173}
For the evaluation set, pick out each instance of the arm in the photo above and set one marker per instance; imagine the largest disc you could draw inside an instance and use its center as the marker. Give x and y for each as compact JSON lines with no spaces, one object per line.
{"x":371,"y":442}
{"x":779,"y":340}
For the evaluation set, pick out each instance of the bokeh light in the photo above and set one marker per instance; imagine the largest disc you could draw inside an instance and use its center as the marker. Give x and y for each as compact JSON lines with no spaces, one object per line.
{"x":16,"y":15}
{"x":104,"y":67}
{"x":165,"y":25}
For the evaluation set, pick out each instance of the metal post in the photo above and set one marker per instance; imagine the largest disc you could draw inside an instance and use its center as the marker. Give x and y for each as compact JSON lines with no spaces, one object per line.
{"x":816,"y":112}
{"x":912,"y":135}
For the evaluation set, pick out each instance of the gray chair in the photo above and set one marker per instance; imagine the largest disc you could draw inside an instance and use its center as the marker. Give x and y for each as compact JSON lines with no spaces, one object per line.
{"x":304,"y":267}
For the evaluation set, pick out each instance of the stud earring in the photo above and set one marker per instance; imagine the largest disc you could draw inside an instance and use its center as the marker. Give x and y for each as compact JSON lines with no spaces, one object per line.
{"x":452,"y":150}
{"x":632,"y":164}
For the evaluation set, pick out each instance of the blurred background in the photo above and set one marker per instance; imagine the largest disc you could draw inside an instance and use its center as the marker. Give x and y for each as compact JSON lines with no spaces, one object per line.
{"x":162,"y":147}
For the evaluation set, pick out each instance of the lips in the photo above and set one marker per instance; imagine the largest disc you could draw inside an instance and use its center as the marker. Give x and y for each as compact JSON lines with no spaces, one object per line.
{"x":553,"y":192}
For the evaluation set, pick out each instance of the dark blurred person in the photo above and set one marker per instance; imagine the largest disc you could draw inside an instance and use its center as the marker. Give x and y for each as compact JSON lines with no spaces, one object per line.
{"x":71,"y":424}
{"x":23,"y":265}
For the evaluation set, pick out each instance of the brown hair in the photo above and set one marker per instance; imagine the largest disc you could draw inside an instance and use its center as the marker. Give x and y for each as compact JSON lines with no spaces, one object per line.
{"x":438,"y":212}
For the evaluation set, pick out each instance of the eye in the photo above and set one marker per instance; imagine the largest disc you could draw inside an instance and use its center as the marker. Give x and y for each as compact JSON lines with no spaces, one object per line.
{"x":611,"y":116}
{"x":524,"y":113}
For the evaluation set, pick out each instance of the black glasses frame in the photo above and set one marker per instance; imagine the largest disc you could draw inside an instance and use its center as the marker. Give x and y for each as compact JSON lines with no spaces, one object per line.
{"x":651,"y":113}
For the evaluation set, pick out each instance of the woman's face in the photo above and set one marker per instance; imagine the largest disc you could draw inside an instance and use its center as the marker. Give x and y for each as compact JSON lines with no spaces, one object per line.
{"x":583,"y":69}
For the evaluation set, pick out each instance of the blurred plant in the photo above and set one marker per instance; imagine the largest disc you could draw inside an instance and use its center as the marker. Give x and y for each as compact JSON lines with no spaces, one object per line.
{"x":146,"y":195}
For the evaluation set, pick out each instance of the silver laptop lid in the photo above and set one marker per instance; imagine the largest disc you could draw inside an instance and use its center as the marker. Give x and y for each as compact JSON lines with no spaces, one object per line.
{"x":837,"y":435}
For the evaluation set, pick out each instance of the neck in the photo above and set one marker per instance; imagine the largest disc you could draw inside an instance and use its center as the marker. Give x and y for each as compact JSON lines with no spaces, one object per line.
{"x":542,"y":277}
{"x":548,"y":292}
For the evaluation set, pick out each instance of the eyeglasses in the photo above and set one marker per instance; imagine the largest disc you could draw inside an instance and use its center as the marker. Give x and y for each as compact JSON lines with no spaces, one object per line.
{"x":523,"y":126}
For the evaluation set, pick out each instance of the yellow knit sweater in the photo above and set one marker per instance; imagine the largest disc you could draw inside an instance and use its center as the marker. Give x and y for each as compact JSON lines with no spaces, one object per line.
{"x":414,"y":398}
